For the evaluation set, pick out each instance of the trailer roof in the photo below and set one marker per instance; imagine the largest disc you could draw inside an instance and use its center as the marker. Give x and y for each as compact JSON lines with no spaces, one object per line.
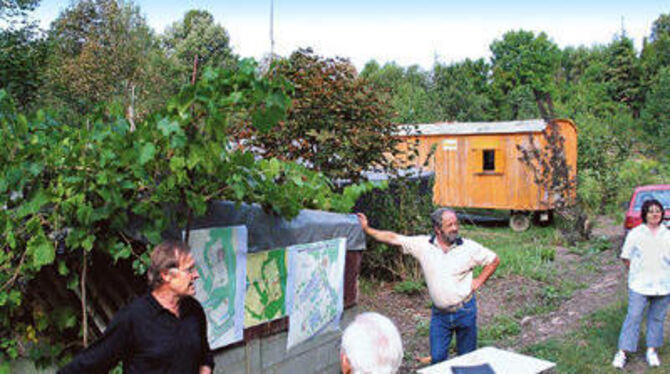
{"x":465,"y":128}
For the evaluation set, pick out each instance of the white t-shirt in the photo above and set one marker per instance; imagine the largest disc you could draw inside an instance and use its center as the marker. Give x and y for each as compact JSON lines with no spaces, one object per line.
{"x":448,"y":275}
{"x":649,"y":256}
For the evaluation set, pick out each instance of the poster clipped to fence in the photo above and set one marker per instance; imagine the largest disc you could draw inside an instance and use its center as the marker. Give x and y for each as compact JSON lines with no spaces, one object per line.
{"x":315,"y":288}
{"x":265,"y":298}
{"x":220,"y":255}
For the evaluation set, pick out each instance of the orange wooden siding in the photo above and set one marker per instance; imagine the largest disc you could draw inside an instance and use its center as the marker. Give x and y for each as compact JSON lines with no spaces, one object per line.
{"x":460,"y":178}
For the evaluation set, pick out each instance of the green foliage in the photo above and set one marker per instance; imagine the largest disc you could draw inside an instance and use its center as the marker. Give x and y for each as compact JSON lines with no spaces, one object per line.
{"x":16,"y":8}
{"x":590,"y":348}
{"x":22,"y":59}
{"x":528,"y":254}
{"x":461,"y":91}
{"x":407,"y":89}
{"x":409,"y":287}
{"x":337,"y":124}
{"x":636,"y":171}
{"x":592,"y":247}
{"x":499,"y":328}
{"x":196,"y":34}
{"x":67,"y":191}
{"x":422,"y":327}
{"x":404,"y":208}
{"x":623,"y":73}
{"x":523,"y":59}
{"x":100,"y":51}
{"x":655,"y":118}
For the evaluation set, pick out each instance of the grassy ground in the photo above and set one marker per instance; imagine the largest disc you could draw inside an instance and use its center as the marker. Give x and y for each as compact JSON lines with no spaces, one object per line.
{"x":541,"y":289}
{"x":528,"y":254}
{"x":590,"y":348}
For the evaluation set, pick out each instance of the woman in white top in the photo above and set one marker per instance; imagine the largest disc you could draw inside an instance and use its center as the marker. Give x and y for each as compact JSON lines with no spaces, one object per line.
{"x":646,"y":253}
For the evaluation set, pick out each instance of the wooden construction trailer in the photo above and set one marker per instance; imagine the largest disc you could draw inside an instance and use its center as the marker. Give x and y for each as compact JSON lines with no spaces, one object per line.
{"x":478,"y":164}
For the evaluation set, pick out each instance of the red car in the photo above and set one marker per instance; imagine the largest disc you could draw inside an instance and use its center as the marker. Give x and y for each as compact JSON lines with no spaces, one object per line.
{"x":660,"y":192}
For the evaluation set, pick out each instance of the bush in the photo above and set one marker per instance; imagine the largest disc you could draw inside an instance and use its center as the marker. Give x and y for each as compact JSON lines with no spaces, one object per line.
{"x":409,"y":287}
{"x":404,"y":208}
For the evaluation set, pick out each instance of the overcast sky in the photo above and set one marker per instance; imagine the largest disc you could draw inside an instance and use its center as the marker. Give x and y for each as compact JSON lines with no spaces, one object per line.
{"x":407,"y":32}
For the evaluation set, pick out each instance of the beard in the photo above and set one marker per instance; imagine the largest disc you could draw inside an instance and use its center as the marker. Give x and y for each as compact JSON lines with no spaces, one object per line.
{"x":449,"y":238}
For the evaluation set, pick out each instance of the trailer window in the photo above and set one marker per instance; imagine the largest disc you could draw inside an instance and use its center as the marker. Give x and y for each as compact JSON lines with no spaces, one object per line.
{"x":489,"y":160}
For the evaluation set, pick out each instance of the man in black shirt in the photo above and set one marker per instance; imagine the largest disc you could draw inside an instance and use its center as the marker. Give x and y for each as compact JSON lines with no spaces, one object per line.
{"x":164,"y":331}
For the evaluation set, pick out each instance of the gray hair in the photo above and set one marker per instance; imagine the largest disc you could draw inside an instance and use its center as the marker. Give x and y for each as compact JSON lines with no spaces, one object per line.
{"x":372,"y":345}
{"x":436,"y":216}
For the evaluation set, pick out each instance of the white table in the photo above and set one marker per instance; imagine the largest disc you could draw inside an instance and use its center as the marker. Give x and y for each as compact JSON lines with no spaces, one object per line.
{"x":502,"y":362}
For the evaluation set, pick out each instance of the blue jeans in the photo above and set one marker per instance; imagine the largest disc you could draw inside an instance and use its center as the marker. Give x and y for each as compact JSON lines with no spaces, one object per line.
{"x":630,"y":331}
{"x":443,"y":325}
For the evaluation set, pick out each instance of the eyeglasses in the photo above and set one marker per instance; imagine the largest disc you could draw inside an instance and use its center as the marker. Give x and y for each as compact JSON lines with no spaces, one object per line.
{"x":655,"y":210}
{"x":190,"y":270}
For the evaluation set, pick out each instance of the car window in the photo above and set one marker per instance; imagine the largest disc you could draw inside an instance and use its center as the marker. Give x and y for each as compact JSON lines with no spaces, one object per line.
{"x":661,"y":195}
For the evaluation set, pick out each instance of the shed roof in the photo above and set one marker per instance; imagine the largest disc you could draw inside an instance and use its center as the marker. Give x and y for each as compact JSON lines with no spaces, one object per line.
{"x":467,"y":128}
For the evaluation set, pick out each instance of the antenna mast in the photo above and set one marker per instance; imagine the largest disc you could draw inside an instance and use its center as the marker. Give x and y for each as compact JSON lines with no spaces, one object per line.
{"x":272,"y":38}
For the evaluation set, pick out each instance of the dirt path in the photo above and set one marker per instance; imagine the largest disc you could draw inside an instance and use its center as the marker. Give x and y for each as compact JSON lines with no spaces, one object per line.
{"x":599,"y":278}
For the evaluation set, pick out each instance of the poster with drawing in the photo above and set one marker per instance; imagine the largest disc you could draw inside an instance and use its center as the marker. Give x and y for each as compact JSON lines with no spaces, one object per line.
{"x":315,"y":288}
{"x":220,"y":255}
{"x":265,"y":298}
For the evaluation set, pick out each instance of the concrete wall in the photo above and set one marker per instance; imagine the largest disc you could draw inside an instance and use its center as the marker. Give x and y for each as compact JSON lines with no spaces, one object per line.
{"x":268,"y":355}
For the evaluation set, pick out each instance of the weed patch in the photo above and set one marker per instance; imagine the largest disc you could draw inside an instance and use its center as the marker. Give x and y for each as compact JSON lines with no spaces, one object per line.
{"x":410,"y":287}
{"x":500,"y":328}
{"x":589,"y":349}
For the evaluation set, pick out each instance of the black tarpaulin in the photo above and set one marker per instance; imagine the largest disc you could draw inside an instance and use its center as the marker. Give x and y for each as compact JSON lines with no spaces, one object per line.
{"x":268,"y":231}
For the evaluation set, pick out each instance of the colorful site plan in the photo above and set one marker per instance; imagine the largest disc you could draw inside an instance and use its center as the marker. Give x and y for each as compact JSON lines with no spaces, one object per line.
{"x":220,"y":255}
{"x":265,"y":299}
{"x":315,"y":288}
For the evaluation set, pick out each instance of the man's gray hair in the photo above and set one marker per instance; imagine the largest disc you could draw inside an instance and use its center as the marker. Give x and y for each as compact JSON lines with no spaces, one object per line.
{"x":372,"y":345}
{"x":436,"y":216}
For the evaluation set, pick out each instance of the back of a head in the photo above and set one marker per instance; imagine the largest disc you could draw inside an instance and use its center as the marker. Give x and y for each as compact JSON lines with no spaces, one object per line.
{"x":372,"y":345}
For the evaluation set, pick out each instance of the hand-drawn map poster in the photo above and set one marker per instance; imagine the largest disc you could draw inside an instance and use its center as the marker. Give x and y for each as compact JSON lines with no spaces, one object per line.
{"x":220,"y":255}
{"x":315,"y":288}
{"x":265,"y":299}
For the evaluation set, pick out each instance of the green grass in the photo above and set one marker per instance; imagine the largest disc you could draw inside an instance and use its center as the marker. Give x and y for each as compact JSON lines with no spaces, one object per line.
{"x":590,"y":348}
{"x":367,"y":286}
{"x":422,"y":326}
{"x":593,"y":246}
{"x":410,"y":287}
{"x":500,"y":328}
{"x":529,"y":254}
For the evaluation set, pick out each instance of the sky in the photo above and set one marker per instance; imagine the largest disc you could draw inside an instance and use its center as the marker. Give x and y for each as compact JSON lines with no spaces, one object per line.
{"x":419,"y":32}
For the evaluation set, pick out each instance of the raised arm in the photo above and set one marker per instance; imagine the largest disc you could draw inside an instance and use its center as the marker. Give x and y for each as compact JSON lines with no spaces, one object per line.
{"x":388,"y":237}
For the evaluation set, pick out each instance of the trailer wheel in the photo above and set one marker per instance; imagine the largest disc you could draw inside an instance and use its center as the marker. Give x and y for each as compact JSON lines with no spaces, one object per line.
{"x":519,"y":222}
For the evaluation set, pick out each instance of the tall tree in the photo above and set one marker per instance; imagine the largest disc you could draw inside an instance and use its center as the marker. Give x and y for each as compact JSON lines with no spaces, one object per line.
{"x":623,"y":73}
{"x":14,"y":8}
{"x":22,"y":51}
{"x":656,"y":50}
{"x":22,"y":57}
{"x":522,"y":59}
{"x":655,"y":117}
{"x":407,"y":89}
{"x":197,"y":35}
{"x":100,"y":52}
{"x":337,"y":124}
{"x":660,"y":27}
{"x":460,"y":91}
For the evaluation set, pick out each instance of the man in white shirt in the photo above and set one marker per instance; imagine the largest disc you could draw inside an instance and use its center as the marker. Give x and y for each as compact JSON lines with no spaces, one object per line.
{"x":447,"y":262}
